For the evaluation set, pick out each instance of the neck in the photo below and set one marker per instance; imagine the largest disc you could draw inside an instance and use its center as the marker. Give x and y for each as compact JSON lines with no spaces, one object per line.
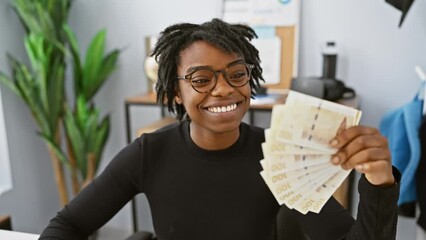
{"x":209,"y":140}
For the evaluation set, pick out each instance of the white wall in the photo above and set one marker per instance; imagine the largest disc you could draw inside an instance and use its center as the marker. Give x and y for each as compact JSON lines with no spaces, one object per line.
{"x":377,"y":59}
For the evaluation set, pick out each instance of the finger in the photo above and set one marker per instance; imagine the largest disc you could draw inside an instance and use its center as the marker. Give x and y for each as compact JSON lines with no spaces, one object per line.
{"x":378,"y":172}
{"x":372,"y":167}
{"x":349,"y":134}
{"x":359,"y":144}
{"x":365,"y":156}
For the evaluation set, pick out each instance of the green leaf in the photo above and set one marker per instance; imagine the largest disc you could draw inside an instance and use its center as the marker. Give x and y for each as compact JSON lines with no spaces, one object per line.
{"x":25,"y":84}
{"x":9,"y":84}
{"x":108,"y":65}
{"x":81,"y":111}
{"x":55,"y":93}
{"x":78,"y":70}
{"x":90,"y":129}
{"x":101,"y":137}
{"x":35,"y":51}
{"x":26,"y":14}
{"x":93,"y":61}
{"x":76,"y":139}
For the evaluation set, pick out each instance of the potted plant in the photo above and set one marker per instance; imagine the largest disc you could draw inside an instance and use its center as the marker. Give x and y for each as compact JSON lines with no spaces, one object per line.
{"x":41,"y":85}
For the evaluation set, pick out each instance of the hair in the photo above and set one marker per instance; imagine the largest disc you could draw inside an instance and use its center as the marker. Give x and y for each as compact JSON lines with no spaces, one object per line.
{"x":232,"y":38}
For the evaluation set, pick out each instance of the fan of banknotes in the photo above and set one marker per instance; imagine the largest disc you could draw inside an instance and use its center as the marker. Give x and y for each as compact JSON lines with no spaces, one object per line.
{"x":297,"y":158}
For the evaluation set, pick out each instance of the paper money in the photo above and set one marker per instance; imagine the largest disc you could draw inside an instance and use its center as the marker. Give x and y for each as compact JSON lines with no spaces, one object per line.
{"x":297,"y":164}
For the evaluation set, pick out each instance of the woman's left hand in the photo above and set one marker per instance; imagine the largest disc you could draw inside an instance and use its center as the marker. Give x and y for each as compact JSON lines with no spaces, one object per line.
{"x":366,"y":150}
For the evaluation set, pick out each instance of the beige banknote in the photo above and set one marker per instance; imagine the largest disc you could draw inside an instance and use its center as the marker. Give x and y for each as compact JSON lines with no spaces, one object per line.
{"x":311,"y":127}
{"x":277,"y":176}
{"x":272,"y":146}
{"x":317,"y":198}
{"x":290,"y":162}
{"x":294,"y":191}
{"x":311,"y":122}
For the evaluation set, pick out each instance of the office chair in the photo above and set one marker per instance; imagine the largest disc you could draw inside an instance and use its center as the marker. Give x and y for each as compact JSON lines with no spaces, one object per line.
{"x":142,"y":235}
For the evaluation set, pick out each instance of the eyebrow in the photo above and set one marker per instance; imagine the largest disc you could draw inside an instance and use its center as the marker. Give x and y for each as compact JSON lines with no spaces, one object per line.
{"x":194,"y":68}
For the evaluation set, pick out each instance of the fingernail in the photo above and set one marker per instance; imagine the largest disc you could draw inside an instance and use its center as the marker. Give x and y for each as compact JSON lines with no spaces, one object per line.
{"x":334,"y":143}
{"x":359,"y":167}
{"x":335,"y":159}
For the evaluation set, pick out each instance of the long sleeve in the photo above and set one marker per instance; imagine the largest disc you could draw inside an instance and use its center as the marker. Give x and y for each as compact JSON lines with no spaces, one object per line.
{"x":377,"y":211}
{"x":376,"y":219}
{"x":101,"y":199}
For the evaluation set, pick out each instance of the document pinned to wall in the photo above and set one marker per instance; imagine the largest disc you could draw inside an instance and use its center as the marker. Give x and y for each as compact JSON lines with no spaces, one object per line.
{"x":5,"y":173}
{"x":236,"y":11}
{"x":269,"y":46}
{"x":262,"y":12}
{"x":274,"y":12}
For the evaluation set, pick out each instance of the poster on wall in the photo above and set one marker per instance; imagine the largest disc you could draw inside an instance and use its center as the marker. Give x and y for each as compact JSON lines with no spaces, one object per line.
{"x":262,"y":12}
{"x":5,"y":173}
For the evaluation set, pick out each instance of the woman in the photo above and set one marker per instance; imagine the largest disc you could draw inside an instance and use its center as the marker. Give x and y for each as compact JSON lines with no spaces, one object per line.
{"x":201,"y":176}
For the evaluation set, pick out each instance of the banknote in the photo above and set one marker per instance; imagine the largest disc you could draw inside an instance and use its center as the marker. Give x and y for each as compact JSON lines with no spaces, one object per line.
{"x":280,"y":177}
{"x":312,"y":127}
{"x":297,"y":164}
{"x":290,"y":162}
{"x":296,"y":98}
{"x":317,"y":198}
{"x":272,"y":146}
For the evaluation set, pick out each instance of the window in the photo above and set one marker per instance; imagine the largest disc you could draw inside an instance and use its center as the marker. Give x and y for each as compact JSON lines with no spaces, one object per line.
{"x":5,"y":174}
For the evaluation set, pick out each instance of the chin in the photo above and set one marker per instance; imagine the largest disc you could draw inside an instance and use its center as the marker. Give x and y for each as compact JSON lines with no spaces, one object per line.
{"x":227,"y":126}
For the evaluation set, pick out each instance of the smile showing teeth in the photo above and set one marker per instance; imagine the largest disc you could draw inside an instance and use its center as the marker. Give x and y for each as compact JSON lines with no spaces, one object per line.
{"x":223,"y":108}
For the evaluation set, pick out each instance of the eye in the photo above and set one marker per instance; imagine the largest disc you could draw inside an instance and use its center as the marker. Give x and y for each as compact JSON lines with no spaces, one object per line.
{"x":200,"y":80}
{"x":238,"y":75}
{"x":201,"y":77}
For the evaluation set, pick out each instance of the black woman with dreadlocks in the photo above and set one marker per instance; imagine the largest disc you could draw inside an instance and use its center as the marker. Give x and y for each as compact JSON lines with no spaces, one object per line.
{"x":201,"y":175}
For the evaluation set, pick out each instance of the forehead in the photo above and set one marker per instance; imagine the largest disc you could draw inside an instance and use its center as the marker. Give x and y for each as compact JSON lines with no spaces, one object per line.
{"x":203,"y":53}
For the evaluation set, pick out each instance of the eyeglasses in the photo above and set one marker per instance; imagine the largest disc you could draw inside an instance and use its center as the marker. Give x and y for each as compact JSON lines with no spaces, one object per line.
{"x":203,"y":79}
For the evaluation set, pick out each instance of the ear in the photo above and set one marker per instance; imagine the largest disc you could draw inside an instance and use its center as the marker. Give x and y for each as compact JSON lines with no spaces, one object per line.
{"x":178,"y":98}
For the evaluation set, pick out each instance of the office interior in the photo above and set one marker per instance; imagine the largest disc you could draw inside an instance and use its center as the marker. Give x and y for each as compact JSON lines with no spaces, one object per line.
{"x":377,"y":58}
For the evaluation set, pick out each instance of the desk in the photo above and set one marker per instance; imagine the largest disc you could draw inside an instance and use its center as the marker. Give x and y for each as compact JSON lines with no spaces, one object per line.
{"x":11,"y":235}
{"x":343,"y":194}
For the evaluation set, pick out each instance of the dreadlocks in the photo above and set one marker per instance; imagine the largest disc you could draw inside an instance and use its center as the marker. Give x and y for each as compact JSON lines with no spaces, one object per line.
{"x":233,"y":38}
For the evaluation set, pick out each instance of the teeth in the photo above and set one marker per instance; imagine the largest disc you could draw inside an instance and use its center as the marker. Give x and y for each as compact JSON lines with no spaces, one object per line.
{"x":223,"y":108}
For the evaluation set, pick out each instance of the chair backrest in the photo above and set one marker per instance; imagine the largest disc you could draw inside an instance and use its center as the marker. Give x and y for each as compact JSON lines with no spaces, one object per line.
{"x":5,"y":223}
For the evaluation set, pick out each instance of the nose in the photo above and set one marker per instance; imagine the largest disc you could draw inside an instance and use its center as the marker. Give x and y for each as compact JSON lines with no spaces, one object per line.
{"x":222,"y":87}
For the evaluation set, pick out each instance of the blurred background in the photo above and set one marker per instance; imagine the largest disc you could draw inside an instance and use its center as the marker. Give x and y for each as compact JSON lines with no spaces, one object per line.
{"x":376,"y":58}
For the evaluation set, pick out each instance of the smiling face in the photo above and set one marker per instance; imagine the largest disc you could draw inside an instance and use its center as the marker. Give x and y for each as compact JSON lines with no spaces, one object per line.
{"x":218,"y":113}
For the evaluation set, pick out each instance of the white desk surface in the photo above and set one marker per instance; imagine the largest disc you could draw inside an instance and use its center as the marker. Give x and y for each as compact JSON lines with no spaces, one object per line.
{"x":11,"y":235}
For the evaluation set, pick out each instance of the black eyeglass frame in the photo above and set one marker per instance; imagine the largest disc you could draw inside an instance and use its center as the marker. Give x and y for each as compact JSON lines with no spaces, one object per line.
{"x":188,"y":76}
